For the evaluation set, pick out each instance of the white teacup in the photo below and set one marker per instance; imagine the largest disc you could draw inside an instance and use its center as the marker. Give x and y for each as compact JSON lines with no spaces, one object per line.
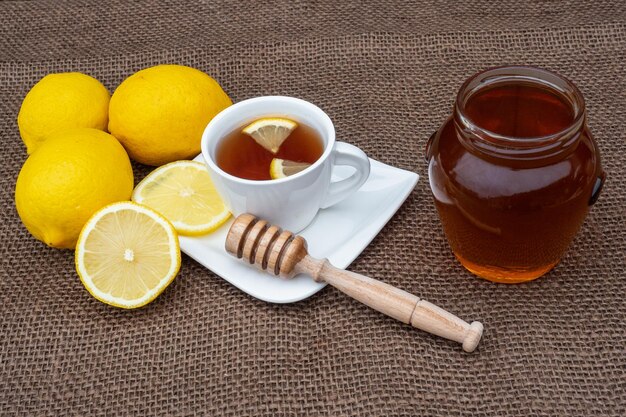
{"x":290,"y":202}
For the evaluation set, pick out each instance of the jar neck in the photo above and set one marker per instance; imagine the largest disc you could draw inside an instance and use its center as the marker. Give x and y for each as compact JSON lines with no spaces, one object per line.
{"x":480,"y":140}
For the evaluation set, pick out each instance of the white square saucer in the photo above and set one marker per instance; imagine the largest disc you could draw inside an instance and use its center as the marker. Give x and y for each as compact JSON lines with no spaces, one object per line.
{"x":339,"y":233}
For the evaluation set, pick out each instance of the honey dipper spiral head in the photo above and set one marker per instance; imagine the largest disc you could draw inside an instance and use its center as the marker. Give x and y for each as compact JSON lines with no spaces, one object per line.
{"x":267,"y":247}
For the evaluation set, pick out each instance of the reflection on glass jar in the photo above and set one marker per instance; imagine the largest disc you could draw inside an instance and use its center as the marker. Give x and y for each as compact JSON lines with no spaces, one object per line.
{"x":513,"y":172}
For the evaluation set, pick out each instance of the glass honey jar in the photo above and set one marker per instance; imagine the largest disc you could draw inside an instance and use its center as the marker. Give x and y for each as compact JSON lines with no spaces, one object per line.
{"x":513,"y":172}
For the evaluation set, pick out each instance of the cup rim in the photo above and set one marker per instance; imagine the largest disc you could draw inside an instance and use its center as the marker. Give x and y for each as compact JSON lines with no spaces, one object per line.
{"x":313,"y":109}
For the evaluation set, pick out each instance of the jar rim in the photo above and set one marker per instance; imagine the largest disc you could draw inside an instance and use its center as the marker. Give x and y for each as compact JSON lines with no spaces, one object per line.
{"x":534,"y":75}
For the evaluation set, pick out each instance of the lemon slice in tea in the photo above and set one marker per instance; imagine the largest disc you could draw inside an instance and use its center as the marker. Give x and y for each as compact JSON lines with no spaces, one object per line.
{"x":183,"y":192}
{"x":127,"y":254}
{"x":281,"y":168}
{"x":270,"y":132}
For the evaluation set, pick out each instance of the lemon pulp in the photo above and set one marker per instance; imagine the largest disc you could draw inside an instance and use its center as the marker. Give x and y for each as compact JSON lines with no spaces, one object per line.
{"x":127,"y":255}
{"x":270,"y":132}
{"x":281,"y":168}
{"x":184,"y":194}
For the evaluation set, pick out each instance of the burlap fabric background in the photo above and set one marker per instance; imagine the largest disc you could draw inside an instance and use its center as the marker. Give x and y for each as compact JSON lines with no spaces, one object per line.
{"x":386,"y":72}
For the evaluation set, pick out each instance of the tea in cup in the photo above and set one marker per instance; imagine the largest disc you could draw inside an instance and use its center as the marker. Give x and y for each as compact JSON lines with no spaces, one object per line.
{"x":241,"y":163}
{"x":241,"y":155}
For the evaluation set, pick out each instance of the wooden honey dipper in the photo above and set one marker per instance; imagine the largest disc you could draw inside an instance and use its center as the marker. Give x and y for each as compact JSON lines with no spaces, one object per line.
{"x":284,"y":254}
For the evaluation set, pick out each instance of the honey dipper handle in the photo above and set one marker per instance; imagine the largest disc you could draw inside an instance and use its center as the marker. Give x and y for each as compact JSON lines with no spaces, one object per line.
{"x":395,"y":302}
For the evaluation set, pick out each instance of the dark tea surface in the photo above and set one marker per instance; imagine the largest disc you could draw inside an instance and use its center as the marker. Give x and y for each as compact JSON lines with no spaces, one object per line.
{"x":238,"y":154}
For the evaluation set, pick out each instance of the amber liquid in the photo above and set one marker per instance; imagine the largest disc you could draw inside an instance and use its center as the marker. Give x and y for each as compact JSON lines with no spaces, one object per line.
{"x":506,"y":222}
{"x":520,"y":111}
{"x":239,"y":154}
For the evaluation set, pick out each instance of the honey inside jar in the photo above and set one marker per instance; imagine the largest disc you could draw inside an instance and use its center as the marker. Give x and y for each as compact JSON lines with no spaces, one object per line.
{"x":519,"y":110}
{"x":513,"y":171}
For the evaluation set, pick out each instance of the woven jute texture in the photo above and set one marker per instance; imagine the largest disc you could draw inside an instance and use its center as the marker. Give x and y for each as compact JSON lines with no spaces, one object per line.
{"x":387,"y":73}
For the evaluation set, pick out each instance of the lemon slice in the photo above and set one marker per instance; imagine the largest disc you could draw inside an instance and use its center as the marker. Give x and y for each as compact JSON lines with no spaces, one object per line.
{"x":281,"y":168}
{"x":270,"y":132}
{"x":183,"y":192}
{"x":127,"y":254}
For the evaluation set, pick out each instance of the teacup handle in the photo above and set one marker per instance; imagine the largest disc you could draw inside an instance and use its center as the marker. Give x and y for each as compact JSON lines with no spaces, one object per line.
{"x":346,"y":154}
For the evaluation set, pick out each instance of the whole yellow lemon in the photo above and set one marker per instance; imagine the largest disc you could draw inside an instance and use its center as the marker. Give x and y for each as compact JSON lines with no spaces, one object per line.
{"x":159,"y":113}
{"x":73,"y":174}
{"x":62,"y":101}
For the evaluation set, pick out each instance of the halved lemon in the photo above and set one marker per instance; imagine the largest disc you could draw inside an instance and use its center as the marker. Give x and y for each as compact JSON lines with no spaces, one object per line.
{"x":127,"y":254}
{"x":281,"y":168}
{"x":270,"y":132}
{"x":183,"y":192}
